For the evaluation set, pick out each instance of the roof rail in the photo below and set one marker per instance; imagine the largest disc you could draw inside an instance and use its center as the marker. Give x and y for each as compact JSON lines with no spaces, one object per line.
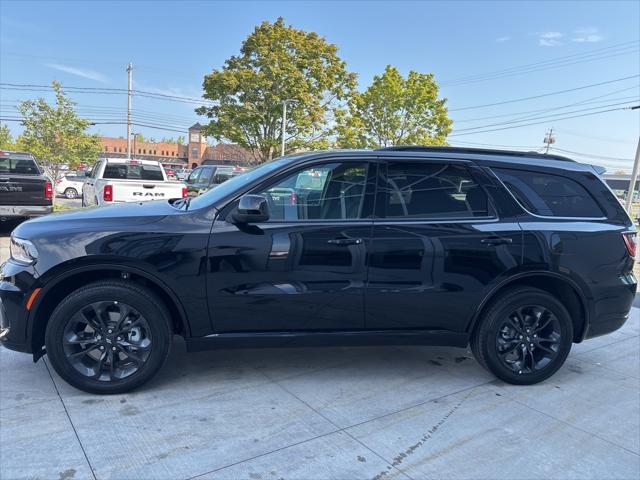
{"x":484,"y":151}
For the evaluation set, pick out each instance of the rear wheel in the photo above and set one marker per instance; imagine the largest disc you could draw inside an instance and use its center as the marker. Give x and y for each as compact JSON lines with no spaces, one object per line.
{"x":108,"y":337}
{"x":524,"y":336}
{"x":71,"y":193}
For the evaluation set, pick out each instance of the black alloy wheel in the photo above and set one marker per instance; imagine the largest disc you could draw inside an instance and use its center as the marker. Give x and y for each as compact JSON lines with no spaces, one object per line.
{"x":109,"y":337}
{"x":107,"y":340}
{"x":524,"y":336}
{"x":528,"y":339}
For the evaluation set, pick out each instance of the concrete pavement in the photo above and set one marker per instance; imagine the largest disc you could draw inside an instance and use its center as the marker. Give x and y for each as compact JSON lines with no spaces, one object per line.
{"x":384,"y":412}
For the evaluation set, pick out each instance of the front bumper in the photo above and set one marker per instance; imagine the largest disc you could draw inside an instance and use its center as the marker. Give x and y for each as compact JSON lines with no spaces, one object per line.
{"x":15,"y":286}
{"x":25,"y":210}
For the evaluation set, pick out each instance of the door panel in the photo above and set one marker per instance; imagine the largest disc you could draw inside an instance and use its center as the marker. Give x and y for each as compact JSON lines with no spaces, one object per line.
{"x":427,"y":271}
{"x":304,"y":269}
{"x":287,"y":277}
{"x":433,"y":276}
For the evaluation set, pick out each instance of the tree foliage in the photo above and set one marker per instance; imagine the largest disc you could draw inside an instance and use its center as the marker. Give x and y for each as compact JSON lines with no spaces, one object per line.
{"x":55,"y":134}
{"x":276,"y":63}
{"x":394,"y":111}
{"x":6,"y":139}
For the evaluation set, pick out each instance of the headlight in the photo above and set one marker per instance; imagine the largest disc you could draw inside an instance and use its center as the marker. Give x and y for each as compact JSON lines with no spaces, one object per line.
{"x":23,"y":251}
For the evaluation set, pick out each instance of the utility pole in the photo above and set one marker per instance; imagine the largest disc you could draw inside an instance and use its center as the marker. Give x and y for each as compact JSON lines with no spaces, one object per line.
{"x":129,"y":69}
{"x":549,"y":139}
{"x":284,"y":123}
{"x":634,"y":178}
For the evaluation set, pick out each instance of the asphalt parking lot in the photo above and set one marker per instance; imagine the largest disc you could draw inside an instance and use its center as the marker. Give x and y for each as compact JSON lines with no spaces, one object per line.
{"x":380,"y":412}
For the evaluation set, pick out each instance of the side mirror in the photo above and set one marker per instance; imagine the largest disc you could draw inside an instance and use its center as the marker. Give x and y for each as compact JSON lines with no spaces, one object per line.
{"x":251,"y":209}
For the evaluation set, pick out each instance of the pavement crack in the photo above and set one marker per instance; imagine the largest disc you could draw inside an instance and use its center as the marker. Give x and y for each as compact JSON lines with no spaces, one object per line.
{"x":75,"y":432}
{"x":397,"y":461}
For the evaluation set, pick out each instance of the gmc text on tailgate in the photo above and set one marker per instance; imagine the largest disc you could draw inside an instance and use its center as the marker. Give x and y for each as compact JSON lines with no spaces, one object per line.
{"x":24,"y":190}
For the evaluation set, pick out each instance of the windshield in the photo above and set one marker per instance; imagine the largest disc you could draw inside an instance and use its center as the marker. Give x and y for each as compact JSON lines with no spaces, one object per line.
{"x":228,"y":187}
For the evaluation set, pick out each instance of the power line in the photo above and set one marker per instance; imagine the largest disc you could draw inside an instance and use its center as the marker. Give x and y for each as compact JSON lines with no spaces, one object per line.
{"x":540,"y":117}
{"x":615,"y":51}
{"x":522,"y":99}
{"x":591,"y":155}
{"x":541,"y":122}
{"x":586,"y":101}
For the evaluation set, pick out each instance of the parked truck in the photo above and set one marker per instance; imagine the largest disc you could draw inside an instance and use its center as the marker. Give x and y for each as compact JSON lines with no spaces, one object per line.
{"x":24,"y":190}
{"x":117,"y":180}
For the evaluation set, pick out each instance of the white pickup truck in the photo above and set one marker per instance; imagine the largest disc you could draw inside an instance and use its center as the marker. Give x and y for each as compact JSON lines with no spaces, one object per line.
{"x":118,"y":180}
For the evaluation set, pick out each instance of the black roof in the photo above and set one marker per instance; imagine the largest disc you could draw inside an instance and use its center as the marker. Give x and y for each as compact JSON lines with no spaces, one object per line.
{"x":477,"y":151}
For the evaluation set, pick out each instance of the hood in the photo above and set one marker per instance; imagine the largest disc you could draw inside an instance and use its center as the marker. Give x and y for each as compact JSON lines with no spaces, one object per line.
{"x":107,"y":217}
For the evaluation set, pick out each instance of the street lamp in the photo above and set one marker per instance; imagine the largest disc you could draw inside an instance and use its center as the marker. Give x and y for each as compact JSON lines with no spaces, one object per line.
{"x":284,"y":122}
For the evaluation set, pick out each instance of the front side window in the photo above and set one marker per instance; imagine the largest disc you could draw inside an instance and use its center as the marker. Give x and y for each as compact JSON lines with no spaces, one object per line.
{"x":333,"y":191}
{"x":205,"y":176}
{"x":193,"y":176}
{"x":427,"y":190}
{"x":549,"y":195}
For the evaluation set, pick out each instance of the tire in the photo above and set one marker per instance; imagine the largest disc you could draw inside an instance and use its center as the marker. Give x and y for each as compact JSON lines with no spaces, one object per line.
{"x":71,"y":193}
{"x":513,"y":349}
{"x":134,"y":349}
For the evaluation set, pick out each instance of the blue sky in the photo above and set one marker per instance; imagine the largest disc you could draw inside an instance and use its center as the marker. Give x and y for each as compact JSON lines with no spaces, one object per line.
{"x":173,"y":44}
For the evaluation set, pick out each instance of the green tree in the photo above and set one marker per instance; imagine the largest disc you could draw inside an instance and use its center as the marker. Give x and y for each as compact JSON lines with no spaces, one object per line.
{"x":394,"y":111}
{"x":276,"y":63}
{"x":6,"y":140}
{"x":56,"y":135}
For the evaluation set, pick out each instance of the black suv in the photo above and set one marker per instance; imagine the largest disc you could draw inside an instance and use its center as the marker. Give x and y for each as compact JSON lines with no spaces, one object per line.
{"x":516,"y":254}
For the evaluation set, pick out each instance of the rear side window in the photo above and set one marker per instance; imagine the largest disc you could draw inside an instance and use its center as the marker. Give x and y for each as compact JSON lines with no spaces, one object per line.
{"x":126,"y":171}
{"x":18,"y":166}
{"x":426,"y":190}
{"x":549,"y":195}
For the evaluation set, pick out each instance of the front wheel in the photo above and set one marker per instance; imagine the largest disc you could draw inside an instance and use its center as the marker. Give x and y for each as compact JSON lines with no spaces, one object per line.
{"x":108,"y":337}
{"x":524,"y":336}
{"x":71,"y":193}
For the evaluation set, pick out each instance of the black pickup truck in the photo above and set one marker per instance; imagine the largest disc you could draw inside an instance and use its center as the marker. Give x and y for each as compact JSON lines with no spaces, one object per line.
{"x":24,"y":190}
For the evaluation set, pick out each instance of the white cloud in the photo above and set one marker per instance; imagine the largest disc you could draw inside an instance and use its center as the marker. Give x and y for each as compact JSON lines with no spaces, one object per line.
{"x":549,"y":39}
{"x":587,"y":35}
{"x":503,"y":39}
{"x":78,"y":72}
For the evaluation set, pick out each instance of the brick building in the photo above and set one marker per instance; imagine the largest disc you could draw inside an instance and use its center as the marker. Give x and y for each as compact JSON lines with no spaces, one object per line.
{"x":175,"y":155}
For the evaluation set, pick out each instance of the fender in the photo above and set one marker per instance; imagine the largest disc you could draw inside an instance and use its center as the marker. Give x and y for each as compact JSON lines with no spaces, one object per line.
{"x":533,"y":273}
{"x":120,"y":267}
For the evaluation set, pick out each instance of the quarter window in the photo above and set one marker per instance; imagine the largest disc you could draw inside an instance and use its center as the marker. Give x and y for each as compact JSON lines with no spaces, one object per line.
{"x":427,"y":190}
{"x":549,"y":195}
{"x":334,"y":191}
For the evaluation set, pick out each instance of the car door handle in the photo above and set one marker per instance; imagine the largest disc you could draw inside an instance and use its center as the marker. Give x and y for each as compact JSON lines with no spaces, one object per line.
{"x":494,"y":241}
{"x":345,"y":241}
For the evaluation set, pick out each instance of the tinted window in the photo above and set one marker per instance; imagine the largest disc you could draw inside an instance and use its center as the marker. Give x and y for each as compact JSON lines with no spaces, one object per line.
{"x":205,"y":175}
{"x":426,"y":190}
{"x":332,"y":191}
{"x":127,"y":171}
{"x":551,"y":195}
{"x":19,"y":165}
{"x":193,"y":176}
